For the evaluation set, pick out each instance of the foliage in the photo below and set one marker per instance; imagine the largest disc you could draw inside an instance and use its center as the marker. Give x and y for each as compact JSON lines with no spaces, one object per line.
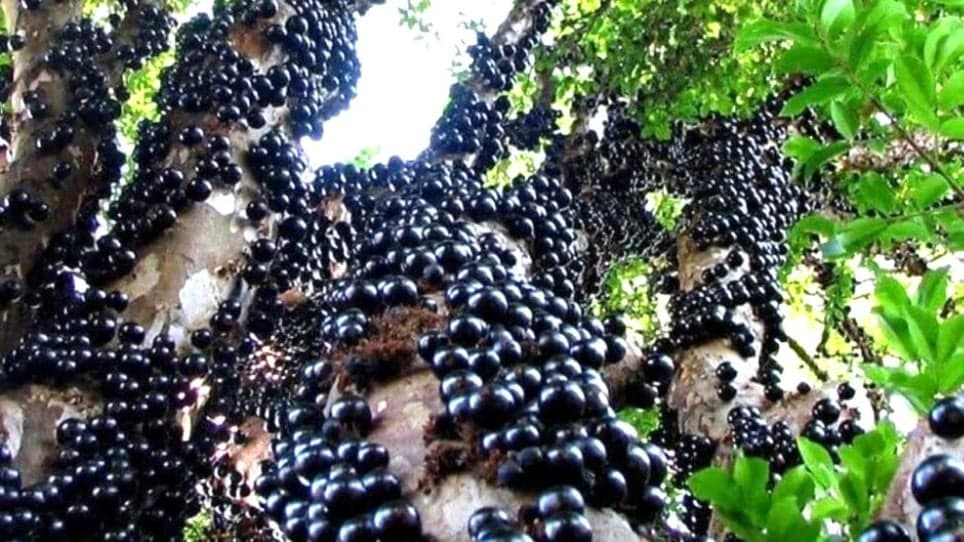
{"x":678,"y":69}
{"x":666,"y":207}
{"x":518,"y":163}
{"x":886,"y":80}
{"x":198,"y":528}
{"x":645,"y":421}
{"x":627,"y":292}
{"x":413,"y":15}
{"x":366,"y":157}
{"x":931,"y":348}
{"x":142,"y":84}
{"x":805,"y":503}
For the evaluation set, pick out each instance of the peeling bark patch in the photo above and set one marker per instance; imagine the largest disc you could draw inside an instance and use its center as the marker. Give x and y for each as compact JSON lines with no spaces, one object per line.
{"x":144,"y":277}
{"x":37,"y":411}
{"x":199,"y":295}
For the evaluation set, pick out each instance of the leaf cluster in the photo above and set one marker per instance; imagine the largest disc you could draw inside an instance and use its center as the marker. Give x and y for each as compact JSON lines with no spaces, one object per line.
{"x":805,"y":502}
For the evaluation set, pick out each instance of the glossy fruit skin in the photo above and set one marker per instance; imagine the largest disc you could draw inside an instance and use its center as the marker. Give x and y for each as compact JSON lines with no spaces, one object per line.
{"x":946,"y":418}
{"x":884,"y":531}
{"x":936,"y":477}
{"x":940,"y":516}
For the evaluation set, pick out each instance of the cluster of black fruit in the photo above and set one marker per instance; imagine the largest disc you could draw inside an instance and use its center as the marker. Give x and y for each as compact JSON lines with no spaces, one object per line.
{"x":611,"y":174}
{"x":82,"y":55}
{"x":128,"y":472}
{"x":937,"y":484}
{"x":474,"y":123}
{"x":497,"y":63}
{"x":518,"y":360}
{"x":324,"y":483}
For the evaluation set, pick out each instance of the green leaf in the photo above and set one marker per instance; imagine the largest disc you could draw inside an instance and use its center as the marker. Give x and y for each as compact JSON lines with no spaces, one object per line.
{"x":854,"y":491}
{"x":853,"y":459}
{"x":752,"y":475}
{"x":822,"y":156}
{"x":818,"y":462}
{"x":896,"y":332}
{"x":935,"y":37}
{"x":953,"y":128}
{"x":918,"y":389}
{"x":872,"y":190}
{"x":952,"y":93}
{"x":950,"y":50}
{"x":951,"y":376}
{"x":950,"y":338}
{"x":854,"y":235}
{"x":763,"y":31}
{"x":714,"y":485}
{"x":929,"y":189}
{"x":906,"y":229}
{"x":817,"y":224}
{"x":829,"y":508}
{"x":885,"y":15}
{"x":824,"y":90}
{"x":785,"y":521}
{"x":644,"y":421}
{"x":806,"y":59}
{"x":796,"y":483}
{"x":923,"y":329}
{"x":801,"y":147}
{"x":932,"y":291}
{"x":844,"y":118}
{"x":917,"y":85}
{"x":891,"y":295}
{"x":836,"y":14}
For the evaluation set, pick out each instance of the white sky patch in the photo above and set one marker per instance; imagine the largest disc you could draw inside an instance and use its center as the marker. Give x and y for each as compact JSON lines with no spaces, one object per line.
{"x":405,"y":79}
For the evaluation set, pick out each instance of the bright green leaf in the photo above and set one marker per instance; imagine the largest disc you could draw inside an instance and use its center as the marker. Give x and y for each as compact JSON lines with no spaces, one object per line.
{"x":844,"y":118}
{"x":836,"y":14}
{"x":905,"y":229}
{"x":953,"y":128}
{"x":951,"y":375}
{"x":855,"y":235}
{"x":932,"y":291}
{"x":824,"y":90}
{"x":950,"y":338}
{"x":874,"y":191}
{"x":752,"y":474}
{"x":923,"y":329}
{"x":801,"y":147}
{"x":829,"y":508}
{"x":806,"y":59}
{"x":796,"y":483}
{"x":950,"y":50}
{"x":891,"y":295}
{"x":785,"y":522}
{"x":818,"y":462}
{"x":896,"y":332}
{"x":952,"y":92}
{"x":817,"y":224}
{"x":917,"y":85}
{"x":714,"y":485}
{"x":822,"y":156}
{"x":854,"y":491}
{"x":764,"y":31}
{"x":929,"y":189}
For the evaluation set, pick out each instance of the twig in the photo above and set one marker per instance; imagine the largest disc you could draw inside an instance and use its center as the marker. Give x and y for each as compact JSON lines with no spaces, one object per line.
{"x":807,"y":359}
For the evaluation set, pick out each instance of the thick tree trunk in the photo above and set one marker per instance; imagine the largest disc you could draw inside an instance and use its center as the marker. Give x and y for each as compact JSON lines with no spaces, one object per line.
{"x":183,"y":276}
{"x":89,"y":158}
